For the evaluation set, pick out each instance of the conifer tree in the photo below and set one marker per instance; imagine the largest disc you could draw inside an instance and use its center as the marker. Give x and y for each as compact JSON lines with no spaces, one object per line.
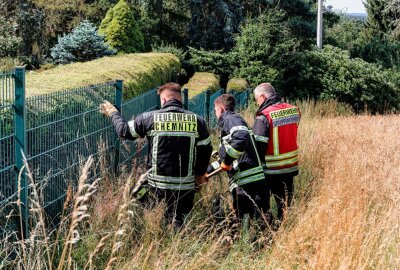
{"x":214,"y":23}
{"x":121,"y":30}
{"x":82,"y":44}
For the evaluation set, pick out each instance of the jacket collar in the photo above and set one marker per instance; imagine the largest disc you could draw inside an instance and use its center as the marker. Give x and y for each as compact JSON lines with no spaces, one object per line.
{"x":172,"y":103}
{"x":268,"y":102}
{"x":222,"y":118}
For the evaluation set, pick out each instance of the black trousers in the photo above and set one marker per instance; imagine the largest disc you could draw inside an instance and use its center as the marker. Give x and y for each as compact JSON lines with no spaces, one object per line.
{"x":281,"y":189}
{"x":179,"y":203}
{"x":251,"y":199}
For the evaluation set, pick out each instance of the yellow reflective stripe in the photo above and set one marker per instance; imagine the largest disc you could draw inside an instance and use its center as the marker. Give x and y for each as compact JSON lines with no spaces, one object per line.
{"x":232,"y":151}
{"x":131,"y":125}
{"x":172,"y":179}
{"x":282,"y":156}
{"x":173,"y":186}
{"x":282,"y":162}
{"x":235,"y":128}
{"x":248,"y":172}
{"x":275,"y":140}
{"x":243,"y":181}
{"x":261,"y":138}
{"x":281,"y":171}
{"x":250,"y":179}
{"x":204,"y":142}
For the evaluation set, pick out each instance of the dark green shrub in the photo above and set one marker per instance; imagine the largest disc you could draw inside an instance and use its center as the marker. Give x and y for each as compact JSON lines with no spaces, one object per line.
{"x":264,"y":48}
{"x":382,"y":50}
{"x":9,"y":42}
{"x":331,"y":74}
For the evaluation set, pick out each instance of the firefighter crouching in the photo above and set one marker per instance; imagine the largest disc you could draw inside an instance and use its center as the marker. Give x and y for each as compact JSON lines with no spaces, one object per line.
{"x":179,"y":150}
{"x":279,"y":122}
{"x":246,"y":177}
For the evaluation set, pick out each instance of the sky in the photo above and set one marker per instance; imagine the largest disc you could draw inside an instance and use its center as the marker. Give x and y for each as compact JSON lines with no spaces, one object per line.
{"x":349,"y":6}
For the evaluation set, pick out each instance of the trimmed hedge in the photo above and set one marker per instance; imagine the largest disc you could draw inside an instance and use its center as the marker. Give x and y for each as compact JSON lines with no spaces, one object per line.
{"x":237,"y":84}
{"x":140,"y":72}
{"x":202,"y":81}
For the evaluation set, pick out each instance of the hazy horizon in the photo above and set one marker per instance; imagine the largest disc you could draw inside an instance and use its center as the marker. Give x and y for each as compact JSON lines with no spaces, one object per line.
{"x":347,"y":6}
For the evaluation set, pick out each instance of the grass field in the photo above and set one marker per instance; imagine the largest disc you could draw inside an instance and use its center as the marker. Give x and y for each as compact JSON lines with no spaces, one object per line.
{"x":346,"y":212}
{"x":140,"y":72}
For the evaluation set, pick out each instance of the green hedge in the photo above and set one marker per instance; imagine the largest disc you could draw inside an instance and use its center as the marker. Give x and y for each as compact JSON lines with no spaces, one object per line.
{"x":237,"y":84}
{"x":140,"y":72}
{"x":202,"y":81}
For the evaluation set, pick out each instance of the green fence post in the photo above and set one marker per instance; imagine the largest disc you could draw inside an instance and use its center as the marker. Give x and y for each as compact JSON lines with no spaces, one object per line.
{"x":118,"y":104}
{"x":248,"y":97}
{"x":207,"y":109}
{"x":186,"y":99}
{"x":20,"y":146}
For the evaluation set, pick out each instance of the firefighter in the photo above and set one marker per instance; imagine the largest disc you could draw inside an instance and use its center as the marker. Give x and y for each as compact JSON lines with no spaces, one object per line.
{"x":275,"y":128}
{"x":238,"y":157}
{"x":179,"y":150}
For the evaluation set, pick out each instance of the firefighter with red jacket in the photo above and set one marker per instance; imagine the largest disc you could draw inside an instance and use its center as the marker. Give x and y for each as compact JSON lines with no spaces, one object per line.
{"x":275,"y":129}
{"x":179,"y":150}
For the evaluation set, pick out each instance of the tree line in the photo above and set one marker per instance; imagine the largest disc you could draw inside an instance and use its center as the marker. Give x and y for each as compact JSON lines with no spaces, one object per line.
{"x":260,"y":40}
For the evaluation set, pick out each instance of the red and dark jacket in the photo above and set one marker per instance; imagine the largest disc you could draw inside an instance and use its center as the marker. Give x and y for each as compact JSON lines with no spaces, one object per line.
{"x":275,"y":128}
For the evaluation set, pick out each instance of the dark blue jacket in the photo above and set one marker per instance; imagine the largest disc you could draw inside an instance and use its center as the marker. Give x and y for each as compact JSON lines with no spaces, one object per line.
{"x":179,"y":144}
{"x":237,"y":143}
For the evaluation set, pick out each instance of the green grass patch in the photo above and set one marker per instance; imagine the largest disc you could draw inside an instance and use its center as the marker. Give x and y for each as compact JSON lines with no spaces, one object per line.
{"x":140,"y":72}
{"x":237,"y":84}
{"x":202,"y":81}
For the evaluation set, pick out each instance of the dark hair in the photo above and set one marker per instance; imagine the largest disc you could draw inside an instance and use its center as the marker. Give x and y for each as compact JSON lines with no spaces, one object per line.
{"x":174,"y":87}
{"x":227,"y":101}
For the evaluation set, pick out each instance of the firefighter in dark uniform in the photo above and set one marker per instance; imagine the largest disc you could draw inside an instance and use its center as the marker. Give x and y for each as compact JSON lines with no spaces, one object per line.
{"x":179,"y":150}
{"x":239,"y":158}
{"x":278,"y":121}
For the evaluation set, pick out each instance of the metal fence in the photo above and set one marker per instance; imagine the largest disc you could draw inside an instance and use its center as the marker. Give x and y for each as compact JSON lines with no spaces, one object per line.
{"x":57,"y":132}
{"x":7,"y":140}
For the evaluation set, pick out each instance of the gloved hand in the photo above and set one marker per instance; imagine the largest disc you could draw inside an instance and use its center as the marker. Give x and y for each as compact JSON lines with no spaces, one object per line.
{"x":107,"y":108}
{"x":200,"y":180}
{"x":225,"y":167}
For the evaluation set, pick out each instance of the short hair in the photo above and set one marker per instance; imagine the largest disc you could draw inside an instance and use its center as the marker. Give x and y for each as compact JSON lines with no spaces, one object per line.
{"x":174,"y":87}
{"x":265,"y":88}
{"x":226,"y":101}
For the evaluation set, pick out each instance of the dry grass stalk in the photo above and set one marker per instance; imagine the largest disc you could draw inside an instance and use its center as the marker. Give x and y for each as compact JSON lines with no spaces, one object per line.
{"x":36,"y":207}
{"x":79,"y":213}
{"x":124,"y":218}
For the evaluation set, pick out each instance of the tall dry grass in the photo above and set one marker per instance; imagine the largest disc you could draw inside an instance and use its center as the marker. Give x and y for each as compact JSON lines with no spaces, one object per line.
{"x":346,"y":211}
{"x":352,"y":219}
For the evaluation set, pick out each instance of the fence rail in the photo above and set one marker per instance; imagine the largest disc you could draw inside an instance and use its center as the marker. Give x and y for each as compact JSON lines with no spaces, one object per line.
{"x":57,"y":132}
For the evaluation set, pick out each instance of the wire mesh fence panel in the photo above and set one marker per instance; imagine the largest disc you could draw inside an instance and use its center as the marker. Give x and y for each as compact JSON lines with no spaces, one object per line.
{"x":197,"y":104}
{"x":136,"y":151}
{"x":242,"y":99}
{"x":63,"y":130}
{"x":213,"y":122}
{"x":8,"y":175}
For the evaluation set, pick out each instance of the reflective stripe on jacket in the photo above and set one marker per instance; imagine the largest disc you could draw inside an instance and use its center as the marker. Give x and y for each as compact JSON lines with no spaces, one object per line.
{"x":281,"y":155}
{"x":179,"y":144}
{"x":238,"y":144}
